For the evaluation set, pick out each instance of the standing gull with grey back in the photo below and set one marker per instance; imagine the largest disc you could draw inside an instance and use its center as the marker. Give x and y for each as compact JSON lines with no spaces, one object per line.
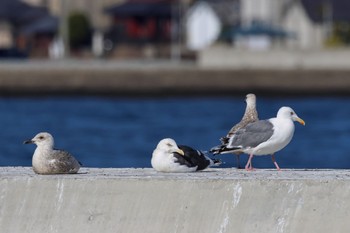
{"x":250,"y":116}
{"x":264,"y":137}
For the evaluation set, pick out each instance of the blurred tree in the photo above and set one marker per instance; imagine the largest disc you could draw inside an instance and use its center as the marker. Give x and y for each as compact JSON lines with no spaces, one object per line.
{"x":340,"y":35}
{"x":79,"y":29}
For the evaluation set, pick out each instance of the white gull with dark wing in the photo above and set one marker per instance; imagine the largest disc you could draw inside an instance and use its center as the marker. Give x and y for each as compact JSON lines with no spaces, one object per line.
{"x":169,"y":157}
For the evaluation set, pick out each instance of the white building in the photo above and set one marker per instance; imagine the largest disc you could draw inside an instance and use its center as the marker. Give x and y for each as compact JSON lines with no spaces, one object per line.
{"x":310,"y":35}
{"x":288,"y":15}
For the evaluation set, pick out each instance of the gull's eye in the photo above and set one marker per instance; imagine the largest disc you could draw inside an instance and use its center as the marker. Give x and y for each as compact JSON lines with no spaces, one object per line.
{"x":41,"y":137}
{"x":169,"y":145}
{"x":291,"y":113}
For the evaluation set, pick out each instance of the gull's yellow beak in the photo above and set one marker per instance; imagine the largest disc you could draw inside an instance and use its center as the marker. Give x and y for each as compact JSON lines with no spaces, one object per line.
{"x":181,"y":152}
{"x":301,"y":121}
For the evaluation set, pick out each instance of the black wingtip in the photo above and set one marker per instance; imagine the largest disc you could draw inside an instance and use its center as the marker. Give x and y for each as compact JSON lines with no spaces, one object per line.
{"x":217,"y":162}
{"x":217,"y":149}
{"x":214,"y":150}
{"x":222,"y":148}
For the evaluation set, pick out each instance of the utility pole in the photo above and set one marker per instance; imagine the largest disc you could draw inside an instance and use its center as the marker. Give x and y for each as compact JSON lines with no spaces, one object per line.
{"x":328,"y":17}
{"x":63,"y":30}
{"x":176,"y":30}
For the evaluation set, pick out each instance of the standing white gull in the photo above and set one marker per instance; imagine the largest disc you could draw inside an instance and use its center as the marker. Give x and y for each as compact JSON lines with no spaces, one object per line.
{"x":47,"y":160}
{"x":169,"y":157}
{"x":262,"y":137}
{"x":250,"y":116}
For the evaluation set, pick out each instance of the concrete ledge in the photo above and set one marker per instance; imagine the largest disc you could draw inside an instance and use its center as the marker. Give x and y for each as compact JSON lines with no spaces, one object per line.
{"x":17,"y":79}
{"x":142,"y":200}
{"x":229,"y":57}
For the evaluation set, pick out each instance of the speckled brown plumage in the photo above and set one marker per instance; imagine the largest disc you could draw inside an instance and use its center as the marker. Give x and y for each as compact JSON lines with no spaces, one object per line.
{"x":47,"y":160}
{"x":250,"y":115}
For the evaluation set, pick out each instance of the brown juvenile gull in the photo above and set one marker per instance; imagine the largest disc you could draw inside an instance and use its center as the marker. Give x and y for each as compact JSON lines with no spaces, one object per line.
{"x":47,"y":160}
{"x":169,"y":157}
{"x":250,"y":115}
{"x":264,"y":137}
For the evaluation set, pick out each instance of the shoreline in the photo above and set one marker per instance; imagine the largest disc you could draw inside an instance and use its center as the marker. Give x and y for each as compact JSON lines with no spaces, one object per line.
{"x":164,"y":79}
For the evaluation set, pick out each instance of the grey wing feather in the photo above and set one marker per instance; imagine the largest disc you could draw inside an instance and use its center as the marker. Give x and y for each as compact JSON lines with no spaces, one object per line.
{"x":65,"y":162}
{"x":252,"y":135}
{"x":259,"y":126}
{"x":249,"y":117}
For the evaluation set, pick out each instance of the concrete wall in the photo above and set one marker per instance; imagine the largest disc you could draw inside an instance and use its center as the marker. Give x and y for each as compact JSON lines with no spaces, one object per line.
{"x":227,"y":57}
{"x":137,"y":78}
{"x":142,"y":200}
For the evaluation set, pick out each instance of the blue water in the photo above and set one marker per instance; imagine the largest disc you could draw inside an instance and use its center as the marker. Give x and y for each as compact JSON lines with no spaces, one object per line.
{"x":122,"y":132}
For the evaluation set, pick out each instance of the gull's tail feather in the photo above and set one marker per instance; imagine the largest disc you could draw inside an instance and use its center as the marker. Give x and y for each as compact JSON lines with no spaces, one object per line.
{"x":224,"y":140}
{"x":222,"y":149}
{"x":215,"y":162}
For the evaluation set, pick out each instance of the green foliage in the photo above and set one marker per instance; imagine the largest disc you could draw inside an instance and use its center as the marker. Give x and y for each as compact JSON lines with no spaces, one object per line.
{"x":79,"y":30}
{"x":340,"y":35}
{"x":334,"y":41}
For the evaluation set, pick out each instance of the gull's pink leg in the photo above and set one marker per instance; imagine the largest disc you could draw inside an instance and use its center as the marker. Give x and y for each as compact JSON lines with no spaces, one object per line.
{"x":274,"y":162}
{"x":249,"y":166}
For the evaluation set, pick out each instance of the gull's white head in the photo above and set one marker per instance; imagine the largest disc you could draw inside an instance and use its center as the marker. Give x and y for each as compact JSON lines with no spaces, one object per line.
{"x":42,"y":139}
{"x":169,"y":145}
{"x":288,"y":113}
{"x":250,"y":100}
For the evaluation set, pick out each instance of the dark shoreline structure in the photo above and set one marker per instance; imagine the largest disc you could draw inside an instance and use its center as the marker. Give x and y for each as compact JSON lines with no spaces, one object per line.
{"x":166,"y":80}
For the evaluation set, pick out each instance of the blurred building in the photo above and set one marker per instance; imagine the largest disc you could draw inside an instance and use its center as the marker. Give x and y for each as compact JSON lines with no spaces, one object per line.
{"x":142,"y":28}
{"x":311,"y":33}
{"x":92,"y":8}
{"x":266,"y":24}
{"x":104,"y":22}
{"x":163,"y":28}
{"x":25,"y":30}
